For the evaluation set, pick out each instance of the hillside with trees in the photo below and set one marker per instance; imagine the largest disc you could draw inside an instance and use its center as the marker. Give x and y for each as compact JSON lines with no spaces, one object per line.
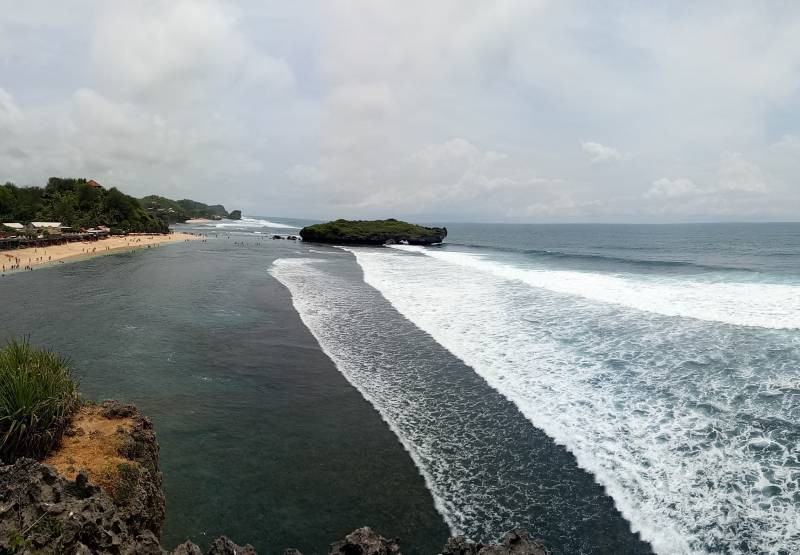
{"x":78,"y":204}
{"x":83,"y":204}
{"x":176,"y":211}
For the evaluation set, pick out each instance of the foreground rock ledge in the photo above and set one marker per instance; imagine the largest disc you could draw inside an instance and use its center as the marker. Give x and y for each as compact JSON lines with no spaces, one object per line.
{"x":42,"y":511}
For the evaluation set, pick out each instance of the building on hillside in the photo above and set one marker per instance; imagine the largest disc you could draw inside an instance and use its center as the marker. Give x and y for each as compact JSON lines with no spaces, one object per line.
{"x":94,"y":184}
{"x":99,"y":230}
{"x":10,"y":229}
{"x":52,"y":228}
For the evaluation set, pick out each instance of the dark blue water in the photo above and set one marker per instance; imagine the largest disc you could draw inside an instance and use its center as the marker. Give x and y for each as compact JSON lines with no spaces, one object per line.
{"x":687,"y":248}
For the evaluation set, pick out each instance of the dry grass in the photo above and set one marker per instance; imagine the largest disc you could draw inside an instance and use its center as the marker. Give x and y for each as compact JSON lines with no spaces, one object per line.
{"x":95,"y":449}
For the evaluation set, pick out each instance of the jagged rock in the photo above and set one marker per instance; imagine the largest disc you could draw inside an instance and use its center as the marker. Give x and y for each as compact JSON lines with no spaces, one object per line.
{"x":114,"y":409}
{"x":41,"y":512}
{"x":292,"y":551}
{"x":187,"y":548}
{"x":224,"y":546}
{"x":516,"y":542}
{"x":365,"y":542}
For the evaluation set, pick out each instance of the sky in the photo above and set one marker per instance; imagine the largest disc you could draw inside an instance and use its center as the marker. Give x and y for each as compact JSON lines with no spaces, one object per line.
{"x":453,"y":110}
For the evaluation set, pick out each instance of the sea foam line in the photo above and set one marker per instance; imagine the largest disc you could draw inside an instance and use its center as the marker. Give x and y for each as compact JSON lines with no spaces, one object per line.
{"x":767,"y":305}
{"x":488,"y":470}
{"x":280,"y":270}
{"x":252,"y":222}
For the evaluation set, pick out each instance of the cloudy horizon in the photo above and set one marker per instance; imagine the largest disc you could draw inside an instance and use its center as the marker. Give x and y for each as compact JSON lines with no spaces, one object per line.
{"x":512,"y":111}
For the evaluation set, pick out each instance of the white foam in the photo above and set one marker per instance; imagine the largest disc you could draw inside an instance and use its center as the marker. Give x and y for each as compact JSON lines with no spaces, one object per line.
{"x":690,"y":426}
{"x":768,"y":305}
{"x":251,"y":222}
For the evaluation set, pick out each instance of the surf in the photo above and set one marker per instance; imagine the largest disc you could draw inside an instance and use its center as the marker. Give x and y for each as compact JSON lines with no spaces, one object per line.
{"x":664,"y":409}
{"x":713,"y":297}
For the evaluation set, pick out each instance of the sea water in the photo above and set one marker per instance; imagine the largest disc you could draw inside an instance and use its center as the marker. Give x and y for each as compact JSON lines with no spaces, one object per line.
{"x":665,"y":359}
{"x":612,"y":389}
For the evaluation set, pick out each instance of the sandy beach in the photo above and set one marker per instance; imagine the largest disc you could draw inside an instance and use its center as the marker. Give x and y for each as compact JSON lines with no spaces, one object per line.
{"x":30,"y":258}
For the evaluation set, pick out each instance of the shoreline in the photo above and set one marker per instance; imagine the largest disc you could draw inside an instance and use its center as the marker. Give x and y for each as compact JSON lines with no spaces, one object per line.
{"x":27,"y":259}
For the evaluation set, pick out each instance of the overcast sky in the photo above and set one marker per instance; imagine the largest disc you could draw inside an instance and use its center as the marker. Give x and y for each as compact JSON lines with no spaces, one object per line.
{"x":524,"y":111}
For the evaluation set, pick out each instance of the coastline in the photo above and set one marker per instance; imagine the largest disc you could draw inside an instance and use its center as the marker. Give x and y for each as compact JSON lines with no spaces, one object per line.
{"x":19,"y":260}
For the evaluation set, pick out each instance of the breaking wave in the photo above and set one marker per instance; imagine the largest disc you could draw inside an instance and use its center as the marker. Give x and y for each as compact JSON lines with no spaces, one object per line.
{"x":707,"y":297}
{"x":691,"y":423}
{"x":247,"y":223}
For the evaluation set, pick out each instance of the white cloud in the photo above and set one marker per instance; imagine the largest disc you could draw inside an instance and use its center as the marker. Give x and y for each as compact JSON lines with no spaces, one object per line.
{"x":601,"y":153}
{"x":736,"y":174}
{"x":9,"y":111}
{"x":665,"y":188}
{"x":464,"y":110}
{"x":306,"y":175}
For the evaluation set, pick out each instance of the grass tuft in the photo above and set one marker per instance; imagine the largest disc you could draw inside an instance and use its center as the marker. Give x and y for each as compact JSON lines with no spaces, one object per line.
{"x":37,"y":399}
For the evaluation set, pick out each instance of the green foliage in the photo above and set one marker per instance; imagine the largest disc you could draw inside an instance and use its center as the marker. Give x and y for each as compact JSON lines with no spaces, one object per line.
{"x":16,"y":543}
{"x":75,"y":204}
{"x":37,"y":398}
{"x":181,"y":210}
{"x":19,"y":204}
{"x":371,"y":232}
{"x":235,"y":215}
{"x":127,"y":481}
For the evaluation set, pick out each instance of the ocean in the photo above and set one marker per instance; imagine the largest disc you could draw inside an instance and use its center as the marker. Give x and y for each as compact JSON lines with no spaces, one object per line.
{"x":610,"y":388}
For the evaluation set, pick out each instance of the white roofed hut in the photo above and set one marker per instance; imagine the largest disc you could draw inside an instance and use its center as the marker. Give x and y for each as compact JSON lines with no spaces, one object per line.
{"x":52,"y":228}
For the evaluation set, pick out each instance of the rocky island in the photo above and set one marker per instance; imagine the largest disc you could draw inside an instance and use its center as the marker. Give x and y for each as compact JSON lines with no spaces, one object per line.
{"x":373,"y":232}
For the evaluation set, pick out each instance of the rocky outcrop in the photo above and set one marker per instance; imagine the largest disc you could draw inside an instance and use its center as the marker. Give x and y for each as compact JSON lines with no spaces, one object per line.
{"x":516,"y":542}
{"x":41,"y":512}
{"x":59,"y":507}
{"x":365,"y":542}
{"x":373,"y":232}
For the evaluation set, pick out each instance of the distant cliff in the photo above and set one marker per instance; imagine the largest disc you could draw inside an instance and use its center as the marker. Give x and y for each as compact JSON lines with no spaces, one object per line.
{"x":373,"y":232}
{"x":178,"y":211}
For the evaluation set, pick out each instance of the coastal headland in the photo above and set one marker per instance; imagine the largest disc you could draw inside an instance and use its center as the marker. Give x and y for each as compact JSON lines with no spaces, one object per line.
{"x":32,"y":257}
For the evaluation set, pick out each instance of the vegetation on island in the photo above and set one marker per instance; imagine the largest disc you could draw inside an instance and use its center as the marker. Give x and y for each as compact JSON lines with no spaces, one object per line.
{"x":84,"y":204}
{"x":38,"y":396}
{"x":373,"y":232}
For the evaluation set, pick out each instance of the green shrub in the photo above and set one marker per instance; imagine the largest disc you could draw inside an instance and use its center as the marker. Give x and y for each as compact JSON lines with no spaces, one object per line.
{"x":37,"y":398}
